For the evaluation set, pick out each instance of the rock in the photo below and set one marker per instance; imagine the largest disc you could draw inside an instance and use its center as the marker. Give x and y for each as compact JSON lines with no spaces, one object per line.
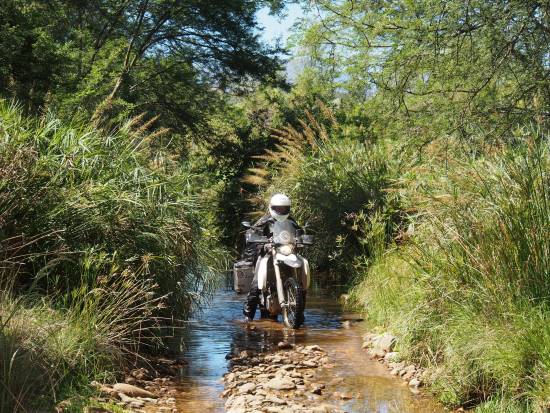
{"x":130,"y":380}
{"x":136,"y":404}
{"x":132,"y":391}
{"x":140,"y":374}
{"x":309,"y":363}
{"x":415,"y":382}
{"x":276,"y":409}
{"x":391,"y":357}
{"x":368,"y":337}
{"x":366,"y":345}
{"x":317,"y":388}
{"x":323,"y":408}
{"x":411,"y":369}
{"x":314,"y":347}
{"x":126,"y":399}
{"x":324,"y":360}
{"x":229,"y":377}
{"x":246,"y":354}
{"x":285,"y":345}
{"x":408,"y":376}
{"x":343,"y":395}
{"x":107,"y":391}
{"x":246,"y":388}
{"x":376,"y":353}
{"x":384,"y":342}
{"x":336,"y":380}
{"x":280,"y":383}
{"x":275,"y":400}
{"x":237,"y":410}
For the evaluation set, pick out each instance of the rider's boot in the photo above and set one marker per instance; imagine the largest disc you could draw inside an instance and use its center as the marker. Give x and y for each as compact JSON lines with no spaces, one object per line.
{"x":252,"y":302}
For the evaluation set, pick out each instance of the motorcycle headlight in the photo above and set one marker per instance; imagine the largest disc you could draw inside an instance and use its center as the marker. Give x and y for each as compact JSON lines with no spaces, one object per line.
{"x":286,"y":249}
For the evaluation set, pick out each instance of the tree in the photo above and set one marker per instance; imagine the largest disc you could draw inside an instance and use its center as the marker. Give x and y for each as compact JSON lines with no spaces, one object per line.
{"x":442,"y":66}
{"x":72,"y":47}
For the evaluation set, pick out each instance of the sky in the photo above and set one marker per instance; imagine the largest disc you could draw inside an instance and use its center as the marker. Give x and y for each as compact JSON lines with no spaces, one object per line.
{"x":279,"y":28}
{"x":276,"y":27}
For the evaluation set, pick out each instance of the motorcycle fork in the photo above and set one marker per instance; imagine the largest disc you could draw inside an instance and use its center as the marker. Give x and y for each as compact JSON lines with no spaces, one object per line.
{"x":278,"y":278}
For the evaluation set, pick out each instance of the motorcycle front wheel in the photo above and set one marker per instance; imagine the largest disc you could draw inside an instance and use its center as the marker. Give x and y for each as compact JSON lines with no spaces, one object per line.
{"x":293,"y":312}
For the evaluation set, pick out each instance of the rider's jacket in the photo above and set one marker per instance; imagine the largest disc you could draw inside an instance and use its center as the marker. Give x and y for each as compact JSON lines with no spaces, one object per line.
{"x":263,"y":227}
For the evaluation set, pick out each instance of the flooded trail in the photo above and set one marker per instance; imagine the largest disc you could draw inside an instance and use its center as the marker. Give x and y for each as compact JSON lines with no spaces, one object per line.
{"x":218,"y":332}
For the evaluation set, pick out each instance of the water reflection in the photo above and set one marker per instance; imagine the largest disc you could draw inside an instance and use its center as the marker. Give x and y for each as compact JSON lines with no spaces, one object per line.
{"x":218,"y":331}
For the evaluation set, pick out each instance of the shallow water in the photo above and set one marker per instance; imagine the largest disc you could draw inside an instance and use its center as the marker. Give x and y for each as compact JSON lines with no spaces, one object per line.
{"x":218,"y":331}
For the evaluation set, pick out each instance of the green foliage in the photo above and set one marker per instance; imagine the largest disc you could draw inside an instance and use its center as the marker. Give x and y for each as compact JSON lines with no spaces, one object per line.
{"x":468,"y":298}
{"x":454,"y":257}
{"x":429,"y":67}
{"x":107,"y":194}
{"x":49,"y":353}
{"x":337,"y":186}
{"x":102,"y":243}
{"x":128,"y":57}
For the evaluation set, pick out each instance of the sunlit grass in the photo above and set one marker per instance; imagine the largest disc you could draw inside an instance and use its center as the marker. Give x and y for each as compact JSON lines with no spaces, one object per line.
{"x":468,"y":295}
{"x":102,"y":242}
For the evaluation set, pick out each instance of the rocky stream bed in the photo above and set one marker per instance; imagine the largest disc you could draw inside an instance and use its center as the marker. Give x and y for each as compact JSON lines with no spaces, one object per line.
{"x":332,"y":364}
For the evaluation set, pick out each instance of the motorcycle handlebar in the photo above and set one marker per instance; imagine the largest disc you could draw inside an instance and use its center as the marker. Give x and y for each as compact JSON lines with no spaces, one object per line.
{"x":302,"y":240}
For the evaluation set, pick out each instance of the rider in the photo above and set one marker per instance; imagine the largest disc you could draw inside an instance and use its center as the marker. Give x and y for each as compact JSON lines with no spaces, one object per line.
{"x":279,"y":209}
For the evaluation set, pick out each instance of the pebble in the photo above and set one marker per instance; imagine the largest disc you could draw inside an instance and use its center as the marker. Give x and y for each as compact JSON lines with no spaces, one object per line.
{"x":343,"y":395}
{"x":415,"y":382}
{"x":278,"y":383}
{"x":247,"y":388}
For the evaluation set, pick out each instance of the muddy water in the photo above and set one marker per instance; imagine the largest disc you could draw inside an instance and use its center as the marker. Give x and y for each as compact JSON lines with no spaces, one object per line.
{"x":218,"y":331}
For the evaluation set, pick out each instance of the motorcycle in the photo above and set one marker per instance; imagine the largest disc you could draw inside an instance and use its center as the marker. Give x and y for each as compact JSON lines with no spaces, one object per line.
{"x":283,"y":275}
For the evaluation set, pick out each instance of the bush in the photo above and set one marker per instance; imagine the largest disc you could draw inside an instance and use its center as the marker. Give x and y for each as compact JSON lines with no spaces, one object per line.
{"x":336,"y":184}
{"x":82,"y":189}
{"x":469,"y":297}
{"x":49,"y":352}
{"x":102,"y":242}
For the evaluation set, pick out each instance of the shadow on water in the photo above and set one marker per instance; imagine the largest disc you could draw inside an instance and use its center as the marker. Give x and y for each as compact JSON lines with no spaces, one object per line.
{"x":219,"y":331}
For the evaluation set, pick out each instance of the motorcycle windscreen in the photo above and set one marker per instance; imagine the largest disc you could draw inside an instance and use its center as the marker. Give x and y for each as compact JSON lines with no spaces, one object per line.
{"x":284,"y":232}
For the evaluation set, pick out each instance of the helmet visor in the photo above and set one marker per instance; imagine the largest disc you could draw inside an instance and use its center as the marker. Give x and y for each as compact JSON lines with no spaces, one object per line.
{"x":281,"y":209}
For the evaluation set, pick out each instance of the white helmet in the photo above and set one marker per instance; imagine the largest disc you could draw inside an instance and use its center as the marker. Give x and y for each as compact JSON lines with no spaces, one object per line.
{"x":279,"y":207}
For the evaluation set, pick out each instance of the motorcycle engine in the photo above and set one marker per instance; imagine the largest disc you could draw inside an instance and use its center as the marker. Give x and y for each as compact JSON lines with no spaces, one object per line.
{"x":272,"y":304}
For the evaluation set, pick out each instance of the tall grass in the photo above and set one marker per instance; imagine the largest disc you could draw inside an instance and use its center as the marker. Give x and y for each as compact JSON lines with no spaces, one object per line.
{"x":50,"y":352}
{"x":469,"y":297}
{"x":102,"y":242}
{"x":108,"y":192}
{"x":336,"y":185}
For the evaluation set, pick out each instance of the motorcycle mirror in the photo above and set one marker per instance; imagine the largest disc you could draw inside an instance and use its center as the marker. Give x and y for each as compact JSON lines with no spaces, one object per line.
{"x":246,"y":224}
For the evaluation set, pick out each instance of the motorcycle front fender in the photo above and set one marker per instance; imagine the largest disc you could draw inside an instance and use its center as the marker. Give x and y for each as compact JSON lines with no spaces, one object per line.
{"x":292,"y":260}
